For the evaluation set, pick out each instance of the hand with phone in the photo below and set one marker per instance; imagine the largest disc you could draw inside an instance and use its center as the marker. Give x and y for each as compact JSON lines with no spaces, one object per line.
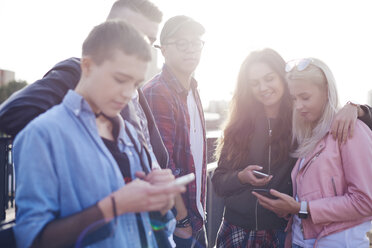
{"x":157,"y":176}
{"x":164,"y":177}
{"x":260,"y":174}
{"x":184,"y":180}
{"x":257,"y":178}
{"x":265,"y":192}
{"x":282,"y":205}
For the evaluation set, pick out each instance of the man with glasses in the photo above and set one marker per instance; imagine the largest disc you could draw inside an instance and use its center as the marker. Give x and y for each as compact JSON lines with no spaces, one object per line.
{"x":49,"y":91}
{"x":176,"y":106}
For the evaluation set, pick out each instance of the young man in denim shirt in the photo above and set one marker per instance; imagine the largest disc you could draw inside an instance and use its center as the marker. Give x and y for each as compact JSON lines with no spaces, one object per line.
{"x":69,"y":180}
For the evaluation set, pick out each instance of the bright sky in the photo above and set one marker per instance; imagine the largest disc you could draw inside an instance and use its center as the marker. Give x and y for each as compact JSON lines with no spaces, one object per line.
{"x":36,"y":34}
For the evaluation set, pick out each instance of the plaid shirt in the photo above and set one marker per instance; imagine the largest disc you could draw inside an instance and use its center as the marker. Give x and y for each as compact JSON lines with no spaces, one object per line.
{"x":236,"y":237}
{"x":168,"y":101}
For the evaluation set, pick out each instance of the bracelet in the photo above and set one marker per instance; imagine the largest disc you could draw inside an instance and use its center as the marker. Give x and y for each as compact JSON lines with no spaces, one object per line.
{"x":114,"y":209}
{"x":359,"y":108}
{"x":185,"y":222}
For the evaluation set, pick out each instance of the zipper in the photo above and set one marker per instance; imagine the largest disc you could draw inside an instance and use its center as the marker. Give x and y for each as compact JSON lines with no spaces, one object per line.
{"x":269,"y":170}
{"x":270,"y":136}
{"x":256,"y":211}
{"x":334,"y":186}
{"x":305,"y":166}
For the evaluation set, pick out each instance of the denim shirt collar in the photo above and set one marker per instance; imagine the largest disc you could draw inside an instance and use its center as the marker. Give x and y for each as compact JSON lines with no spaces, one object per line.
{"x":77,"y":104}
{"x":81,"y":108}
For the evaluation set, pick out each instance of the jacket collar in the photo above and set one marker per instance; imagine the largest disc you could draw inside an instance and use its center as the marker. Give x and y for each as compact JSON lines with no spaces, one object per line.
{"x":170,"y":79}
{"x":316,"y":152}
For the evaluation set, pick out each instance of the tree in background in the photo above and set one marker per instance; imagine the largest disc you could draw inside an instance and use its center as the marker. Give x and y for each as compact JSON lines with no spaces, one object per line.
{"x":10,"y":88}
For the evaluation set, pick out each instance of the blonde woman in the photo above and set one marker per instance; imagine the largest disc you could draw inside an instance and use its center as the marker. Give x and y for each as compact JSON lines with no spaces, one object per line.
{"x":332,"y":192}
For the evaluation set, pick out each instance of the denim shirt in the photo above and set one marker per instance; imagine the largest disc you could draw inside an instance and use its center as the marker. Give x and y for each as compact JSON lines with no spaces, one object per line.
{"x":62,"y":167}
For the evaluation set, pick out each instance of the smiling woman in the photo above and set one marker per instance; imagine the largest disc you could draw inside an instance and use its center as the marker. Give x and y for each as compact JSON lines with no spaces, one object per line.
{"x":257,"y":136}
{"x":332,"y":202}
{"x":267,"y":87}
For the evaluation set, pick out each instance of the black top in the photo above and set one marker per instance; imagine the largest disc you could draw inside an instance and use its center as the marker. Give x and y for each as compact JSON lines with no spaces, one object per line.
{"x":124,"y":166}
{"x":121,"y":159}
{"x":241,"y":206}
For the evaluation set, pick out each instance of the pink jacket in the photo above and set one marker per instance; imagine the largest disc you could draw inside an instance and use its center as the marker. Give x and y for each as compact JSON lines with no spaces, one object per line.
{"x":336,"y":181}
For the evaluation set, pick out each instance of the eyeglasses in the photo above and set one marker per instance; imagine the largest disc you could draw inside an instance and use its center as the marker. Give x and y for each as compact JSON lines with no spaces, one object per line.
{"x":182,"y":45}
{"x":300,"y":64}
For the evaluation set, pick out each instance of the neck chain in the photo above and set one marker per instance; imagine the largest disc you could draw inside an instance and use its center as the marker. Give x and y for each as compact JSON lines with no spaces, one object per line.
{"x":101,"y":113}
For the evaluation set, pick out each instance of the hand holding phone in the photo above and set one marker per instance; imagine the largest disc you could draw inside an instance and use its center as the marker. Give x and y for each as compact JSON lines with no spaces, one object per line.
{"x":184,"y":180}
{"x":259,"y":174}
{"x":265,"y":192}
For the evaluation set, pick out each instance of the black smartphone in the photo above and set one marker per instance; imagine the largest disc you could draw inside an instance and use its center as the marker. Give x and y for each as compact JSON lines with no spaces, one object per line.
{"x":259,"y":174}
{"x":265,"y":192}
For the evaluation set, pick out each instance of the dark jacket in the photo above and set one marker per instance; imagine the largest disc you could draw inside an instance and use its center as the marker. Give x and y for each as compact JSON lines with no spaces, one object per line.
{"x":241,"y":206}
{"x":29,"y":102}
{"x":367,"y":118}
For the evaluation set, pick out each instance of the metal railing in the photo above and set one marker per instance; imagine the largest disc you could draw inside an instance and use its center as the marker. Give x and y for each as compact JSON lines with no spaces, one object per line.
{"x":7,"y":186}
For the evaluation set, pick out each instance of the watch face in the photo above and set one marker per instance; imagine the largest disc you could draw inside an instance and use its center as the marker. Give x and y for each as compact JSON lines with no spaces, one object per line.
{"x":302,"y":215}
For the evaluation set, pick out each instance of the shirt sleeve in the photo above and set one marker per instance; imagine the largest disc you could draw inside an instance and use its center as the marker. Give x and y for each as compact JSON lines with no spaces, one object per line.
{"x":356,"y":203}
{"x":36,"y":183}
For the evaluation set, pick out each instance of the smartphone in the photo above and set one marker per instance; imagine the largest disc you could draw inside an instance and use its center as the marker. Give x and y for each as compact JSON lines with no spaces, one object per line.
{"x":265,"y":192}
{"x":259,"y":174}
{"x":185,"y":179}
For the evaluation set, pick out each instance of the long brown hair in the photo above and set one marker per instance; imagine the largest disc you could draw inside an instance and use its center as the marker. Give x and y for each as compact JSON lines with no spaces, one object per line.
{"x":244,"y":110}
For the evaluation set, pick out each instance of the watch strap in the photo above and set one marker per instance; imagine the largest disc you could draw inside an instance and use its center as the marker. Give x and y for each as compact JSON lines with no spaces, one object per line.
{"x":303,"y":210}
{"x":185,"y":222}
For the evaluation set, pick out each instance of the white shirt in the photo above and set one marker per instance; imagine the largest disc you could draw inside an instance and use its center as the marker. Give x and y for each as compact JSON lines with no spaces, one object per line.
{"x":197,"y":144}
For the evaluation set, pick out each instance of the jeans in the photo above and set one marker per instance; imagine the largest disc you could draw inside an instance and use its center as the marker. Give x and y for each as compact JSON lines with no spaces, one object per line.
{"x":281,"y":234}
{"x":296,"y":246}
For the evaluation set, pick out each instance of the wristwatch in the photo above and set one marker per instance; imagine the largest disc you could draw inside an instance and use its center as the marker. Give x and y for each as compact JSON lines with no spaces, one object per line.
{"x":303,"y":214}
{"x":185,"y":222}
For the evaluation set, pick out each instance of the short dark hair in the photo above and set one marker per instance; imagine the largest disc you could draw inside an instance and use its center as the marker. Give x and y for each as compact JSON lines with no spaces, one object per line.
{"x":105,"y":39}
{"x":144,"y":7}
